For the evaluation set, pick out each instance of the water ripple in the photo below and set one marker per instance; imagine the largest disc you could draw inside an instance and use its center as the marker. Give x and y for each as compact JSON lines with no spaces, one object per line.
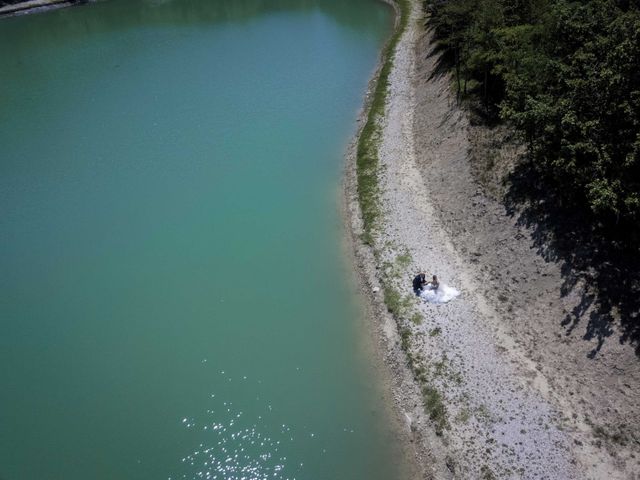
{"x":235,"y":445}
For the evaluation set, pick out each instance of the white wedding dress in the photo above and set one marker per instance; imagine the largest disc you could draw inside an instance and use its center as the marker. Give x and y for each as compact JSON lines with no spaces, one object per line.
{"x":442,"y":294}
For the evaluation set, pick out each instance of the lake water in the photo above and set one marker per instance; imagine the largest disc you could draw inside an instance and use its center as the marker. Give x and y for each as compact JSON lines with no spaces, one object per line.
{"x":174,"y":301}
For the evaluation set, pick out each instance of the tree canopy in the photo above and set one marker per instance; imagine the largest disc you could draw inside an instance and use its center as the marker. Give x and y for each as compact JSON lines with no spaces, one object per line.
{"x":566,"y":75}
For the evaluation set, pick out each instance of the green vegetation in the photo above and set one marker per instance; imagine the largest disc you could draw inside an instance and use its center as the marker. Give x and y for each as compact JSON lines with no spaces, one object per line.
{"x":566,"y":75}
{"x":402,"y":307}
{"x":404,"y":260}
{"x":392,"y":299}
{"x":463,"y":416}
{"x":416,"y":318}
{"x":614,"y":434}
{"x":405,"y":338}
{"x":482,"y":413}
{"x":395,"y":302}
{"x":367,"y":149}
{"x":434,"y":405}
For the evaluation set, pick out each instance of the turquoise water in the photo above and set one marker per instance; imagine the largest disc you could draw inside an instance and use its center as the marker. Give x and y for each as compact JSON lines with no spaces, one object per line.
{"x":174,"y":300}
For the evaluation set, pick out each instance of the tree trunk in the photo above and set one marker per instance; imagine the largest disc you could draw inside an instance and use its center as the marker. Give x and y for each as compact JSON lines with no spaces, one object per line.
{"x":458,"y":73}
{"x":486,"y":89}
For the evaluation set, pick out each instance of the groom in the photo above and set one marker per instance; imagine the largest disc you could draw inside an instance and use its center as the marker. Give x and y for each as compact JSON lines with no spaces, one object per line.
{"x":419,"y":282}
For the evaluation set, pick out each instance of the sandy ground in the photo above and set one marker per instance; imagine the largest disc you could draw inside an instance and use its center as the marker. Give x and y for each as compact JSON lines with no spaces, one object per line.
{"x":523,"y":399}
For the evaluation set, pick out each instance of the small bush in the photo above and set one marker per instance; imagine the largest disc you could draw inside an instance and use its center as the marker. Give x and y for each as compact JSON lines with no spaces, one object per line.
{"x":393,"y":300}
{"x":435,"y":407}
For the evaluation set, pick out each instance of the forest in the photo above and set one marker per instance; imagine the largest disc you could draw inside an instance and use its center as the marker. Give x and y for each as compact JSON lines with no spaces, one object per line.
{"x":566,"y":76}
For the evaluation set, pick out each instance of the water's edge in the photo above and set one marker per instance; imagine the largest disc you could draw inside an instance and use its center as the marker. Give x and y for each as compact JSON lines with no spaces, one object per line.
{"x":28,"y":7}
{"x":378,"y":327}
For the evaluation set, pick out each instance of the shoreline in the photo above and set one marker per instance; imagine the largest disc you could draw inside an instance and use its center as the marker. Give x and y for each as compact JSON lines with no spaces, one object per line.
{"x":471,"y":397}
{"x":36,"y":6}
{"x":422,"y":460}
{"x":480,"y":387}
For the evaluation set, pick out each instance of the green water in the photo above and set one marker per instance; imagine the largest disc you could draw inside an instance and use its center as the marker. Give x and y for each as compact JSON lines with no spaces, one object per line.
{"x":172,"y":287}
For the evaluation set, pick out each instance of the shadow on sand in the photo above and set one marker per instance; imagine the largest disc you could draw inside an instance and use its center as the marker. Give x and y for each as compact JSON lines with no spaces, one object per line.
{"x":605,"y":258}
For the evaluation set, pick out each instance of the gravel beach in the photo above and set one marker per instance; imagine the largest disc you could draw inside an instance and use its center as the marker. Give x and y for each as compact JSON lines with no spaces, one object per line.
{"x":474,"y":396}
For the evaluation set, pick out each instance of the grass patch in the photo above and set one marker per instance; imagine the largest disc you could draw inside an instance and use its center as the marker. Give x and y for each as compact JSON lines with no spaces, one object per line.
{"x":367,"y":150}
{"x":403,"y":261}
{"x":463,"y":416}
{"x":482,"y":413}
{"x":434,"y":406}
{"x":420,"y":373}
{"x":388,"y":268}
{"x":434,"y":332}
{"x":405,"y":339}
{"x":416,"y":318}
{"x":392,"y":299}
{"x":440,"y":367}
{"x":396,"y":304}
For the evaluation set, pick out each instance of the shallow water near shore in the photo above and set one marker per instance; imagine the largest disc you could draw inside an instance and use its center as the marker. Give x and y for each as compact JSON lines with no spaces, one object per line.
{"x":174,"y":297}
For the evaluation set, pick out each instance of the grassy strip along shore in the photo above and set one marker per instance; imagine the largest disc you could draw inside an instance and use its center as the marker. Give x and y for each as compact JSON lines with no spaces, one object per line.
{"x":401,"y":307}
{"x":368,"y":142}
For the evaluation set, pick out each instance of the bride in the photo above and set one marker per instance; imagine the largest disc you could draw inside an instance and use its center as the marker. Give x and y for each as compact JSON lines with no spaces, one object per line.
{"x":435,"y":292}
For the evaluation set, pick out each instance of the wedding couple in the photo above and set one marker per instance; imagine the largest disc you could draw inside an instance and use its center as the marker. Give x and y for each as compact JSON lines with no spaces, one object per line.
{"x":420,"y":283}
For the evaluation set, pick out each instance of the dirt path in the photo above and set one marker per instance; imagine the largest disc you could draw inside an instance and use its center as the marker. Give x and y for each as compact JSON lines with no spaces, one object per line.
{"x":492,"y":410}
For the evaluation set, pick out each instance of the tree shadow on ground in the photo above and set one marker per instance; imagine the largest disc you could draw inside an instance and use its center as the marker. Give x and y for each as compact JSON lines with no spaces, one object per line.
{"x":602,"y":258}
{"x":444,"y":66}
{"x":444,"y":59}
